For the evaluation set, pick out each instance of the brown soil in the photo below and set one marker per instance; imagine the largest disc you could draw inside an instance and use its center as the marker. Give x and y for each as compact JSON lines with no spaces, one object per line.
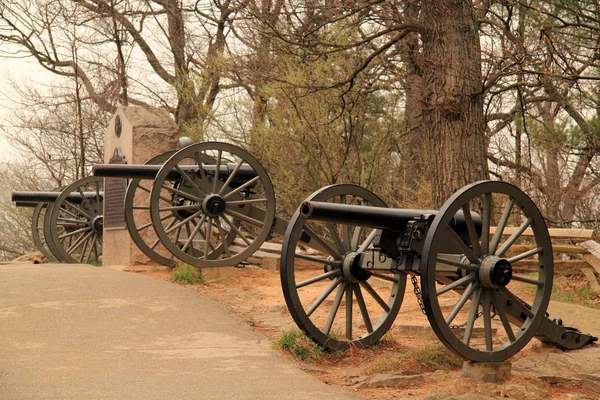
{"x":255,"y":295}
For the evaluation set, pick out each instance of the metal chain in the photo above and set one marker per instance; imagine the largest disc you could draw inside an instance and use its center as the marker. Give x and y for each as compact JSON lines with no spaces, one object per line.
{"x":419,"y":297}
{"x":418,"y":293}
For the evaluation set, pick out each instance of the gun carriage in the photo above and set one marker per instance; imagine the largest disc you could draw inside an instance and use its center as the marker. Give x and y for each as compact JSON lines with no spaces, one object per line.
{"x":470,"y":278}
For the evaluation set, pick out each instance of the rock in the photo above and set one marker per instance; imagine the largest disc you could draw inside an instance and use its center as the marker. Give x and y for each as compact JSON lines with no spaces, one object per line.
{"x":448,"y":396}
{"x":591,"y":385}
{"x":523,"y":391}
{"x":563,"y":364}
{"x":437,"y":376}
{"x":553,"y":379}
{"x":392,"y":381}
{"x":487,"y":371}
{"x":308,"y":368}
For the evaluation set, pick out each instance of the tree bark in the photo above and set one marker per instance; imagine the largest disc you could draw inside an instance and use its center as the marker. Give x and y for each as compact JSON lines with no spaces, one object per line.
{"x":453,"y":118}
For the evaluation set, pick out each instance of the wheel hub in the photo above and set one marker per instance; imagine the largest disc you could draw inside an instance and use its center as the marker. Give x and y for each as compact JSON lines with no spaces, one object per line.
{"x":98,"y":224}
{"x":352,"y":268}
{"x":495,"y":272}
{"x":214,"y":205}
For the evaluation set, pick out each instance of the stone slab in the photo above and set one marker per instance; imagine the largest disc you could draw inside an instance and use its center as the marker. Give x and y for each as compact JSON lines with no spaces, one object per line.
{"x":487,"y":371}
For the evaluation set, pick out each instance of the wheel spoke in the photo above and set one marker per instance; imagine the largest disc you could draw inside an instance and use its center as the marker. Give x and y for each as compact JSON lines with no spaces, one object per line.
{"x":487,"y":323}
{"x":73,"y":206}
{"x":193,"y":233}
{"x":197,"y":156}
{"x":244,"y":218}
{"x":335,"y":263}
{"x":334,"y":308}
{"x":336,"y":239}
{"x":501,"y":225}
{"x":461,"y":245}
{"x":236,"y":230}
{"x":456,"y":284}
{"x":319,"y":300}
{"x":86,"y":200}
{"x":457,"y":264}
{"x":190,"y":180}
{"x":242,"y":187}
{"x":461,"y":302}
{"x":78,"y":242}
{"x":363,"y":308}
{"x":364,"y":245}
{"x":503,"y":318}
{"x":527,"y":280}
{"x":207,"y":238}
{"x":516,"y":302}
{"x":176,"y":208}
{"x":246,"y":202}
{"x":394,"y":278}
{"x":472,"y":316}
{"x":485,"y":228}
{"x":318,"y":278}
{"x":349,"y":311}
{"x":149,"y":224}
{"x":230,"y":177}
{"x":80,"y":230}
{"x":217,"y":171}
{"x":355,"y":238}
{"x":376,"y":296}
{"x":181,"y":193}
{"x":85,"y":246}
{"x":223,"y":237}
{"x":183,"y":222}
{"x":522,"y":256}
{"x":513,"y":238}
{"x":473,"y":237}
{"x":322,"y":242}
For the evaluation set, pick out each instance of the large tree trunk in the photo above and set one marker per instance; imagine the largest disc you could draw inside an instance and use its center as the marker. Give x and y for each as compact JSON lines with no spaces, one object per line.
{"x":453,"y":119}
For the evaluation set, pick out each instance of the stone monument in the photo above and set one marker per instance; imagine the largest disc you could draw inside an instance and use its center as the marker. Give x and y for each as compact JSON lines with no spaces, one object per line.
{"x":134,"y":135}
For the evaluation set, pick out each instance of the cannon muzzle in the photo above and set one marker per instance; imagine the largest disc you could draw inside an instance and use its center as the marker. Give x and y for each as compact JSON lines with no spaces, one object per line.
{"x":25,"y":204}
{"x":49,"y":197}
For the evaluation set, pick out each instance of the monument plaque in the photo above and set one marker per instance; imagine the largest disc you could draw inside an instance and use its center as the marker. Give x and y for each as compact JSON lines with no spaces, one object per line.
{"x":114,"y":206}
{"x":133,"y":136}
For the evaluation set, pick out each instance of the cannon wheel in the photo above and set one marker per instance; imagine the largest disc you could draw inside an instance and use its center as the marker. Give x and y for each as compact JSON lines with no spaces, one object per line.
{"x":369,"y":301}
{"x":138,"y":224}
{"x":37,"y":231}
{"x":212,"y":209}
{"x":76,"y":229}
{"x":487,"y":290}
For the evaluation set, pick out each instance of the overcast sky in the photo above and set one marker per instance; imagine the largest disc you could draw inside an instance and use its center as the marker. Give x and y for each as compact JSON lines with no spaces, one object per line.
{"x":21,"y":70}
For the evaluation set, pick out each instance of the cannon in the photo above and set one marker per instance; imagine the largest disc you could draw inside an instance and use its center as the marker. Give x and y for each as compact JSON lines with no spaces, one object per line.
{"x":67,"y":224}
{"x":484,"y":289}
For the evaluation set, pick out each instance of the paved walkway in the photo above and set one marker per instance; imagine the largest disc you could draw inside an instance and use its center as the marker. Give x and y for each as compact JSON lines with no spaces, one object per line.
{"x":83,"y":332}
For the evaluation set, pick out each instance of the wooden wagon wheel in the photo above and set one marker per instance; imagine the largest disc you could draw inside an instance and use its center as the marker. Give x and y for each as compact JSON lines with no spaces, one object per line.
{"x":76,"y":221}
{"x":37,"y":230}
{"x":365,"y":303}
{"x":138,"y":218}
{"x":482,"y":290}
{"x":212,"y":205}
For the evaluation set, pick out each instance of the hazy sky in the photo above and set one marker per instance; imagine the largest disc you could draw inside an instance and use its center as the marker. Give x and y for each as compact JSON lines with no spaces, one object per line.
{"x":21,"y":70}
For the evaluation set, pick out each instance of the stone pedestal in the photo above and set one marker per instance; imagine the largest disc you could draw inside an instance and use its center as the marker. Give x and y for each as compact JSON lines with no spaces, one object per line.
{"x":487,"y":371}
{"x":134,"y":135}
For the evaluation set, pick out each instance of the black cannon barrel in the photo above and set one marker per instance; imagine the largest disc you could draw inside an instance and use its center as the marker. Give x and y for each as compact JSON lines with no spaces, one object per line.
{"x":392,"y":219}
{"x":49,"y":197}
{"x":26,"y":204}
{"x":132,"y":171}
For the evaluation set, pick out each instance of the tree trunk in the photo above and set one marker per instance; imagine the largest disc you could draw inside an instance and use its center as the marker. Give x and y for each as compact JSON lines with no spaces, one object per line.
{"x":453,"y":119}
